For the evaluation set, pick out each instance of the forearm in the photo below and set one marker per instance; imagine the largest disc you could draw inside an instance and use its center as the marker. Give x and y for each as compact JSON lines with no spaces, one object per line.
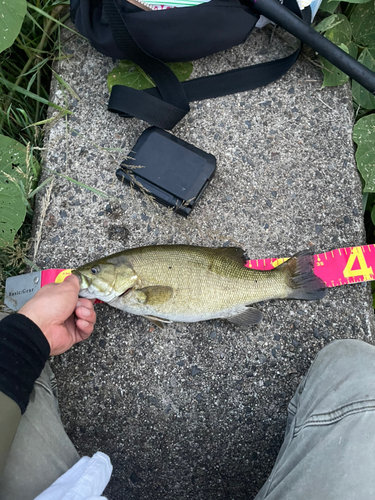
{"x":23,"y":353}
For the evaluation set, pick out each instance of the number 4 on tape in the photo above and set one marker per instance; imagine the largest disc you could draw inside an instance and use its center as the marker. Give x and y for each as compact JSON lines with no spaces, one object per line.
{"x":363,"y":270}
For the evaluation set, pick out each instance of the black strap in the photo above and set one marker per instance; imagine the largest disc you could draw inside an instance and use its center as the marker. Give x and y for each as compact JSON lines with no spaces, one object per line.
{"x":165,"y":105}
{"x":149,"y":106}
{"x":166,"y":81}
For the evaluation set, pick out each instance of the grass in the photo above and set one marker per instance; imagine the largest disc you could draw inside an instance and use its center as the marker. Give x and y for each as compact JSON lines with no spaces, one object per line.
{"x":25,"y":78}
{"x":25,"y":72}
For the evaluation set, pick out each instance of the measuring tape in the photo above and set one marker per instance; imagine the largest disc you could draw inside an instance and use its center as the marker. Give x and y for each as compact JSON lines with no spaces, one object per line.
{"x":343,"y":266}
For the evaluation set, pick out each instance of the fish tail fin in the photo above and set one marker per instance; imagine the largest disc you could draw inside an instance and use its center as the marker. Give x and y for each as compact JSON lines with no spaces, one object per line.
{"x":300,"y":277}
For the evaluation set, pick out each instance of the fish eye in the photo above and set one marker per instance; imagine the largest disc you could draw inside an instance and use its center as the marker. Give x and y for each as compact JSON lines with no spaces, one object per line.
{"x":95,"y":270}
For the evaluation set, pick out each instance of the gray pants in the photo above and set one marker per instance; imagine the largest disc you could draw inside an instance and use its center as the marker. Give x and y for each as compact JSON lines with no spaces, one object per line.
{"x":328,"y":452}
{"x":41,"y":450}
{"x":329,"y":446}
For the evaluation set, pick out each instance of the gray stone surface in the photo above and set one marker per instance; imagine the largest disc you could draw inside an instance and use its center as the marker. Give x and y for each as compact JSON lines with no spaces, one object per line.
{"x":198,"y":410}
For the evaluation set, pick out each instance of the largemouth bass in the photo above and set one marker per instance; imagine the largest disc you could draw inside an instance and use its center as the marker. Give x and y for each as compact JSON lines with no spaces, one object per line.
{"x":188,"y":283}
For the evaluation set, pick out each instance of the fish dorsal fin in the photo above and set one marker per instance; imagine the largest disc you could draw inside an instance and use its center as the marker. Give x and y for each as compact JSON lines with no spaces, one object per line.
{"x":234,"y":253}
{"x":251,"y":316}
{"x":160,"y":322}
{"x":154,"y":295}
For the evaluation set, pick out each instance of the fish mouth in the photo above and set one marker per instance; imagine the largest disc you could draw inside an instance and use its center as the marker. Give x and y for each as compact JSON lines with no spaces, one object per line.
{"x":78,"y":274}
{"x":83,"y":281}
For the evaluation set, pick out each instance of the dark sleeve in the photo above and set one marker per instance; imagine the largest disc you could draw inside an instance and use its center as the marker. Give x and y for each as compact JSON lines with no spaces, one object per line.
{"x":23,"y":353}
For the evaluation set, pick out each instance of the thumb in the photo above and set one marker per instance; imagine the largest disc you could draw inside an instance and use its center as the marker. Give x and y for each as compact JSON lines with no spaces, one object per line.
{"x":72,"y":282}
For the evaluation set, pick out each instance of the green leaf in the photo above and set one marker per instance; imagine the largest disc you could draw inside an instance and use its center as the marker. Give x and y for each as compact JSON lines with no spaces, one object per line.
{"x":362,"y":96}
{"x":329,"y":6}
{"x":12,"y":212}
{"x":329,"y":23}
{"x":364,"y":137}
{"x":14,"y":166}
{"x":332,"y":75}
{"x":12,"y":13}
{"x":18,"y":176}
{"x":129,"y":74}
{"x":363,"y":25}
{"x":373,"y":215}
{"x":181,"y":69}
{"x":341,"y":31}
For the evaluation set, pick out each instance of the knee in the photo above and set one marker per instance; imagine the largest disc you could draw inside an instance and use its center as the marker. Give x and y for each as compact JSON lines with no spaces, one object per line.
{"x":347,"y":355}
{"x":348,"y":347}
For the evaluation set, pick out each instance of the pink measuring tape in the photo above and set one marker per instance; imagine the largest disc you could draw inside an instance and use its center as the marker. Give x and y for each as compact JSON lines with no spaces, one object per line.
{"x":342,"y":266}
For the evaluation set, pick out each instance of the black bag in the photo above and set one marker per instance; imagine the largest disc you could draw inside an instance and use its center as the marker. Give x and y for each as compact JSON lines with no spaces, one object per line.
{"x":121,"y":30}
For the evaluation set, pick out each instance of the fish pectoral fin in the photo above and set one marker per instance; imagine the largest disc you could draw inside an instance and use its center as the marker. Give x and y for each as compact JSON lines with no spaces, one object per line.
{"x":155,"y":295}
{"x":160,"y":322}
{"x":249,"y":317}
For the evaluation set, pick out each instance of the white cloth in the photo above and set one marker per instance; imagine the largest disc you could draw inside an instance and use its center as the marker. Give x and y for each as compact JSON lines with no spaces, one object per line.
{"x":86,"y":480}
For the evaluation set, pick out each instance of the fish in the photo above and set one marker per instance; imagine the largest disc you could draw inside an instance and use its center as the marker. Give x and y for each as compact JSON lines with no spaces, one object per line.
{"x":185,"y":283}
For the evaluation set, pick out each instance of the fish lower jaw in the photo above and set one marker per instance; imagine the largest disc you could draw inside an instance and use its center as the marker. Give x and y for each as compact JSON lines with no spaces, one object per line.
{"x":88,"y":293}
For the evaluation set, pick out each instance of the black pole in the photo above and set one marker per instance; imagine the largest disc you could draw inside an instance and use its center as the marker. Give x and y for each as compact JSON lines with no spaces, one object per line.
{"x":276,"y":12}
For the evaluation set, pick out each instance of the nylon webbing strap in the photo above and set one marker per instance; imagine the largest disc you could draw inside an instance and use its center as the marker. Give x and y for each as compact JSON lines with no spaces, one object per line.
{"x":128,"y":102}
{"x":342,"y":266}
{"x":148,"y":106}
{"x":238,"y":80}
{"x":170,"y":90}
{"x":167,"y":104}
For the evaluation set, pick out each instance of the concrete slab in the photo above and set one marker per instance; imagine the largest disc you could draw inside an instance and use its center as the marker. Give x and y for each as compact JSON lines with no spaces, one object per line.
{"x":198,"y":410}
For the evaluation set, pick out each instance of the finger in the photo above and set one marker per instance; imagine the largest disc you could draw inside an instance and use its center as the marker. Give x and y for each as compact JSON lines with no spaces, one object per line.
{"x":85,"y":328}
{"x":88,"y":306}
{"x":71,"y":282}
{"x":89,"y":303}
{"x":86,"y":314}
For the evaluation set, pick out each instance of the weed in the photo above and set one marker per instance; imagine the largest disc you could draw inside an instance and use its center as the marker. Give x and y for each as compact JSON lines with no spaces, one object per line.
{"x":25,"y":78}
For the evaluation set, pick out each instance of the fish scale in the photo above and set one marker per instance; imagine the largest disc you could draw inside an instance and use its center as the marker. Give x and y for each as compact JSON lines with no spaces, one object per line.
{"x":187,"y":283}
{"x":195,"y":283}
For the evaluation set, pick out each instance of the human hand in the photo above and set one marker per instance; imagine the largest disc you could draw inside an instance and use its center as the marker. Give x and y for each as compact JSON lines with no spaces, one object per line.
{"x":63,"y":317}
